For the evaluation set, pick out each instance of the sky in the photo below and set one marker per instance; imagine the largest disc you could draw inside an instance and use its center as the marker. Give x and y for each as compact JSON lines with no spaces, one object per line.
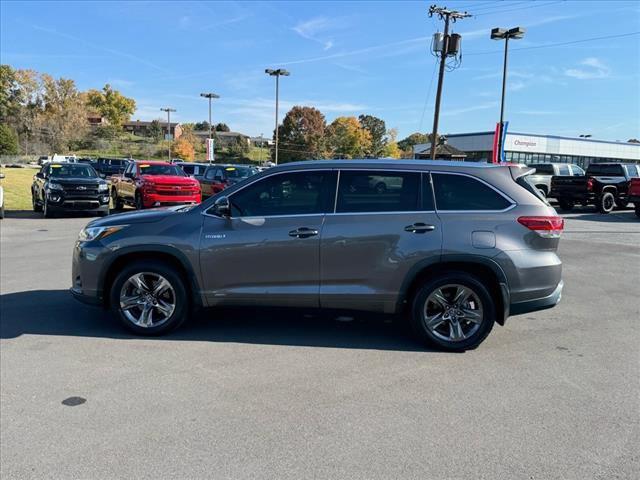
{"x":345,"y":58}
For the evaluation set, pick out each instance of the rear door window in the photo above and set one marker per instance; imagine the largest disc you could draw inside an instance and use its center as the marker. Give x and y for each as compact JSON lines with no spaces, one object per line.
{"x":542,"y":169}
{"x":378,"y":191}
{"x":563,"y":170}
{"x":462,"y":193}
{"x":605,"y":170}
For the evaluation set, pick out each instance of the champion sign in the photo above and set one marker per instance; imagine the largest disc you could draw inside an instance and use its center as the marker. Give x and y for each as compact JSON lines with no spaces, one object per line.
{"x":524,"y":143}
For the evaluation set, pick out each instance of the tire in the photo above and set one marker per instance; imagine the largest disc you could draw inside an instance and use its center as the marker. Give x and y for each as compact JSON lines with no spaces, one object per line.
{"x":176,"y":296}
{"x":36,"y":206}
{"x":637,"y":209}
{"x":473,"y":331}
{"x":46,"y":210}
{"x":139,"y":203}
{"x":2,"y":212}
{"x":606,"y":203}
{"x":118,"y":204}
{"x":566,"y":205}
{"x":542,"y":190}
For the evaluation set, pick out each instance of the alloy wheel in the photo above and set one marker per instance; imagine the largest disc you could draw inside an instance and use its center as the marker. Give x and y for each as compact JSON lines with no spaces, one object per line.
{"x":147,"y":299}
{"x":453,"y":312}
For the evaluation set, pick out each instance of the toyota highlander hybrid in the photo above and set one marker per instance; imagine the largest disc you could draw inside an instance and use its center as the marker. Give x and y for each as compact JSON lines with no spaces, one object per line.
{"x":454,"y":247}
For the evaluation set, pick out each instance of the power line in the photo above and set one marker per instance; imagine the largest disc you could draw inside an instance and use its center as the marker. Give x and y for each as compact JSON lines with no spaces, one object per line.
{"x":549,"y":45}
{"x":519,"y":8}
{"x":426,"y":99}
{"x":498,"y":7}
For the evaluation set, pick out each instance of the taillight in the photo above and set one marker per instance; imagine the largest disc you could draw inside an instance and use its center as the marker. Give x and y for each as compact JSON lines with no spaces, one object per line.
{"x":547,"y":227}
{"x":590,"y":184}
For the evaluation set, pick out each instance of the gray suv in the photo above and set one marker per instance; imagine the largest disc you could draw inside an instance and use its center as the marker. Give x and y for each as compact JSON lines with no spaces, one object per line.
{"x":455,"y":247}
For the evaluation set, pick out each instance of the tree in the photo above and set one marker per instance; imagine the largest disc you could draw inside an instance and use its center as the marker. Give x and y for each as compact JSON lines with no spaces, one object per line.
{"x":413,"y":139}
{"x":8,"y":140}
{"x":184,"y":149}
{"x":202,"y":126}
{"x":240,"y":147}
{"x":391,"y":148}
{"x":301,"y":135}
{"x":222,"y":127}
{"x":633,"y":140}
{"x":347,"y":139}
{"x":377,"y":129}
{"x":155,"y":130}
{"x":112,"y":105}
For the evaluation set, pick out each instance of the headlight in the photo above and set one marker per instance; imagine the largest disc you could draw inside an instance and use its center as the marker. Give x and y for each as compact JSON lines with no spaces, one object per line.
{"x":103,"y":187}
{"x":88,"y":234}
{"x":54,"y":186}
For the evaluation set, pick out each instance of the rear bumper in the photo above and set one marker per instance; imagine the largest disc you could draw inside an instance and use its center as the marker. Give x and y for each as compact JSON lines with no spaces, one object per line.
{"x":537,"y":304}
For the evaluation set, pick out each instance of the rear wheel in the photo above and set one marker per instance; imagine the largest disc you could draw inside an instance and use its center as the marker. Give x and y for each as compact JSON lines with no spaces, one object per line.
{"x":2,"y":211}
{"x":566,"y":205}
{"x":139,"y":203}
{"x":454,"y":312}
{"x":149,"y":298}
{"x":606,"y":203}
{"x":637,"y":208}
{"x":542,"y":190}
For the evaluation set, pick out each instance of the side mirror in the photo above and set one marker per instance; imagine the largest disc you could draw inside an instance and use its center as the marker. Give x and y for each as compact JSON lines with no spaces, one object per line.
{"x":222,"y":207}
{"x":102,"y":175}
{"x":1,"y":176}
{"x":217,"y":178}
{"x":40,"y":175}
{"x":129,"y":175}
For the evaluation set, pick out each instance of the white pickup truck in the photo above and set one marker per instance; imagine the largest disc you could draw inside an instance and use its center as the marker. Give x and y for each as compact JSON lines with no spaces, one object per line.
{"x":541,"y":179}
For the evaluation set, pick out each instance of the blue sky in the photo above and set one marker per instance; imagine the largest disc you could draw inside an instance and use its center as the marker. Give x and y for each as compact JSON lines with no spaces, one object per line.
{"x":345,"y":58}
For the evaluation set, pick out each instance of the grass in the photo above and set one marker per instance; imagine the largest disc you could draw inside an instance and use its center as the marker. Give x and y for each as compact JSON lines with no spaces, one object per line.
{"x":17,"y":187}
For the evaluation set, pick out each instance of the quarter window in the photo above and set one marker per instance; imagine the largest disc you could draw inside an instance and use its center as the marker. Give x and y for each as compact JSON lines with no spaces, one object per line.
{"x":459,"y":192}
{"x":378,"y":191}
{"x":296,"y":193}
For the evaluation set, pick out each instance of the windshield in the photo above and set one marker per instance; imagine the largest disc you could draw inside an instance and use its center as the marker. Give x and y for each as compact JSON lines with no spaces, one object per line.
{"x":239,"y":172}
{"x":161,"y":169}
{"x":72,"y":170}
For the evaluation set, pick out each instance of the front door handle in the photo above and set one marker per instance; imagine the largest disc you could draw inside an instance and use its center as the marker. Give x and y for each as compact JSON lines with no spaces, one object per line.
{"x":419,"y":228}
{"x":303,"y":232}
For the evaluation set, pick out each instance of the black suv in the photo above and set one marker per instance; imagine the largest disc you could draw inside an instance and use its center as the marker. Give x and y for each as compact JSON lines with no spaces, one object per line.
{"x":59,"y":187}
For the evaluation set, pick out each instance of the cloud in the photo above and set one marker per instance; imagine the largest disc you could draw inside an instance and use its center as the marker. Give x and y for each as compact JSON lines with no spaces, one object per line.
{"x":315,"y":28}
{"x":120,"y":82}
{"x":473,"y":108}
{"x":594,"y":69}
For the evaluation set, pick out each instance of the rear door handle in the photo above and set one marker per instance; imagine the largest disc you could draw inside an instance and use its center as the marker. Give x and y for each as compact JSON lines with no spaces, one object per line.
{"x":303,"y":232}
{"x":419,"y":228}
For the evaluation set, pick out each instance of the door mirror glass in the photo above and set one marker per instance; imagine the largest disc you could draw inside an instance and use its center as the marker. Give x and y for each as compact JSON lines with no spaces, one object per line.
{"x":221,"y":207}
{"x":40,"y":175}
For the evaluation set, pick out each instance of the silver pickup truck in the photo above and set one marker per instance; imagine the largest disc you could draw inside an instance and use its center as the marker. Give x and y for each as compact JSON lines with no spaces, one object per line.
{"x":541,"y":179}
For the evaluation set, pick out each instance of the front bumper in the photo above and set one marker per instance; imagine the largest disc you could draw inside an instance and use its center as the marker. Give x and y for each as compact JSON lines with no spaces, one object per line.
{"x":156,"y":200}
{"x":534,"y":305}
{"x":61,"y":201}
{"x":79,"y":295}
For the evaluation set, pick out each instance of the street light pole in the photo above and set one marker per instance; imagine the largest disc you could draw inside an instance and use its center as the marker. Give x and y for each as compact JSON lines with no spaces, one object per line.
{"x":504,"y":34}
{"x":277,"y":73}
{"x":210,"y":96}
{"x":168,"y":110}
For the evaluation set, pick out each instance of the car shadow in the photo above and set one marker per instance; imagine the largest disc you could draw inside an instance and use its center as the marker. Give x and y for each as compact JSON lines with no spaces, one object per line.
{"x":31,"y":215}
{"x":55,"y":312}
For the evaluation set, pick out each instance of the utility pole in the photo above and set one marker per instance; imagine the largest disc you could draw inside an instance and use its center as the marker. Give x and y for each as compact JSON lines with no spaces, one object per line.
{"x":446,"y":15}
{"x":210,"y":96}
{"x":168,"y":110}
{"x":277,"y":73}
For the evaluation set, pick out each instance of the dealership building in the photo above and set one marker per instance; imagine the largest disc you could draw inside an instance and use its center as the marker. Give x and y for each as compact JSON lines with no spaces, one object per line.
{"x":532,"y":148}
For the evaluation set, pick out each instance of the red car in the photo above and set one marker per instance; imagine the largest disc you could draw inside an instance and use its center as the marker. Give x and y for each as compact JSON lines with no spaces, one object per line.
{"x":153,"y":184}
{"x":634,"y":194}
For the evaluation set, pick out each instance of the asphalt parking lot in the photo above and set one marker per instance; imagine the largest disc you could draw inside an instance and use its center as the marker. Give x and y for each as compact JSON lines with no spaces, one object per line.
{"x":553,"y":394}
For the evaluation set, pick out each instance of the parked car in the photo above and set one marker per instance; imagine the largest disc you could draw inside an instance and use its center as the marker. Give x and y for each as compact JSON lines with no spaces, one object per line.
{"x":194,"y":170}
{"x":64,"y":187}
{"x":541,"y":179}
{"x":43,"y":159}
{"x":111,"y":166}
{"x":1,"y":198}
{"x":153,"y":184}
{"x":604,"y":185}
{"x":218,"y":177}
{"x":477,"y":247}
{"x":63,"y":158}
{"x":634,"y":194}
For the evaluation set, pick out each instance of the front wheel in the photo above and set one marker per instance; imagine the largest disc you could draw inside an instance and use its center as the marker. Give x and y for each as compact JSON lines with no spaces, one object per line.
{"x":36,"y":206}
{"x":606,"y":203}
{"x":637,"y":209}
{"x":139,"y":202}
{"x":454,"y":312}
{"x":46,"y":210}
{"x":149,"y":298}
{"x":566,"y":205}
{"x":118,"y":204}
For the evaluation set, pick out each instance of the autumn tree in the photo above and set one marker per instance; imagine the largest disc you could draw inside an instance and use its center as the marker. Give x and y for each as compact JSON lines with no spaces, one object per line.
{"x":301,"y":135}
{"x":377,"y":130}
{"x":391,"y":148}
{"x":111,"y":104}
{"x":182,"y":148}
{"x":347,"y":138}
